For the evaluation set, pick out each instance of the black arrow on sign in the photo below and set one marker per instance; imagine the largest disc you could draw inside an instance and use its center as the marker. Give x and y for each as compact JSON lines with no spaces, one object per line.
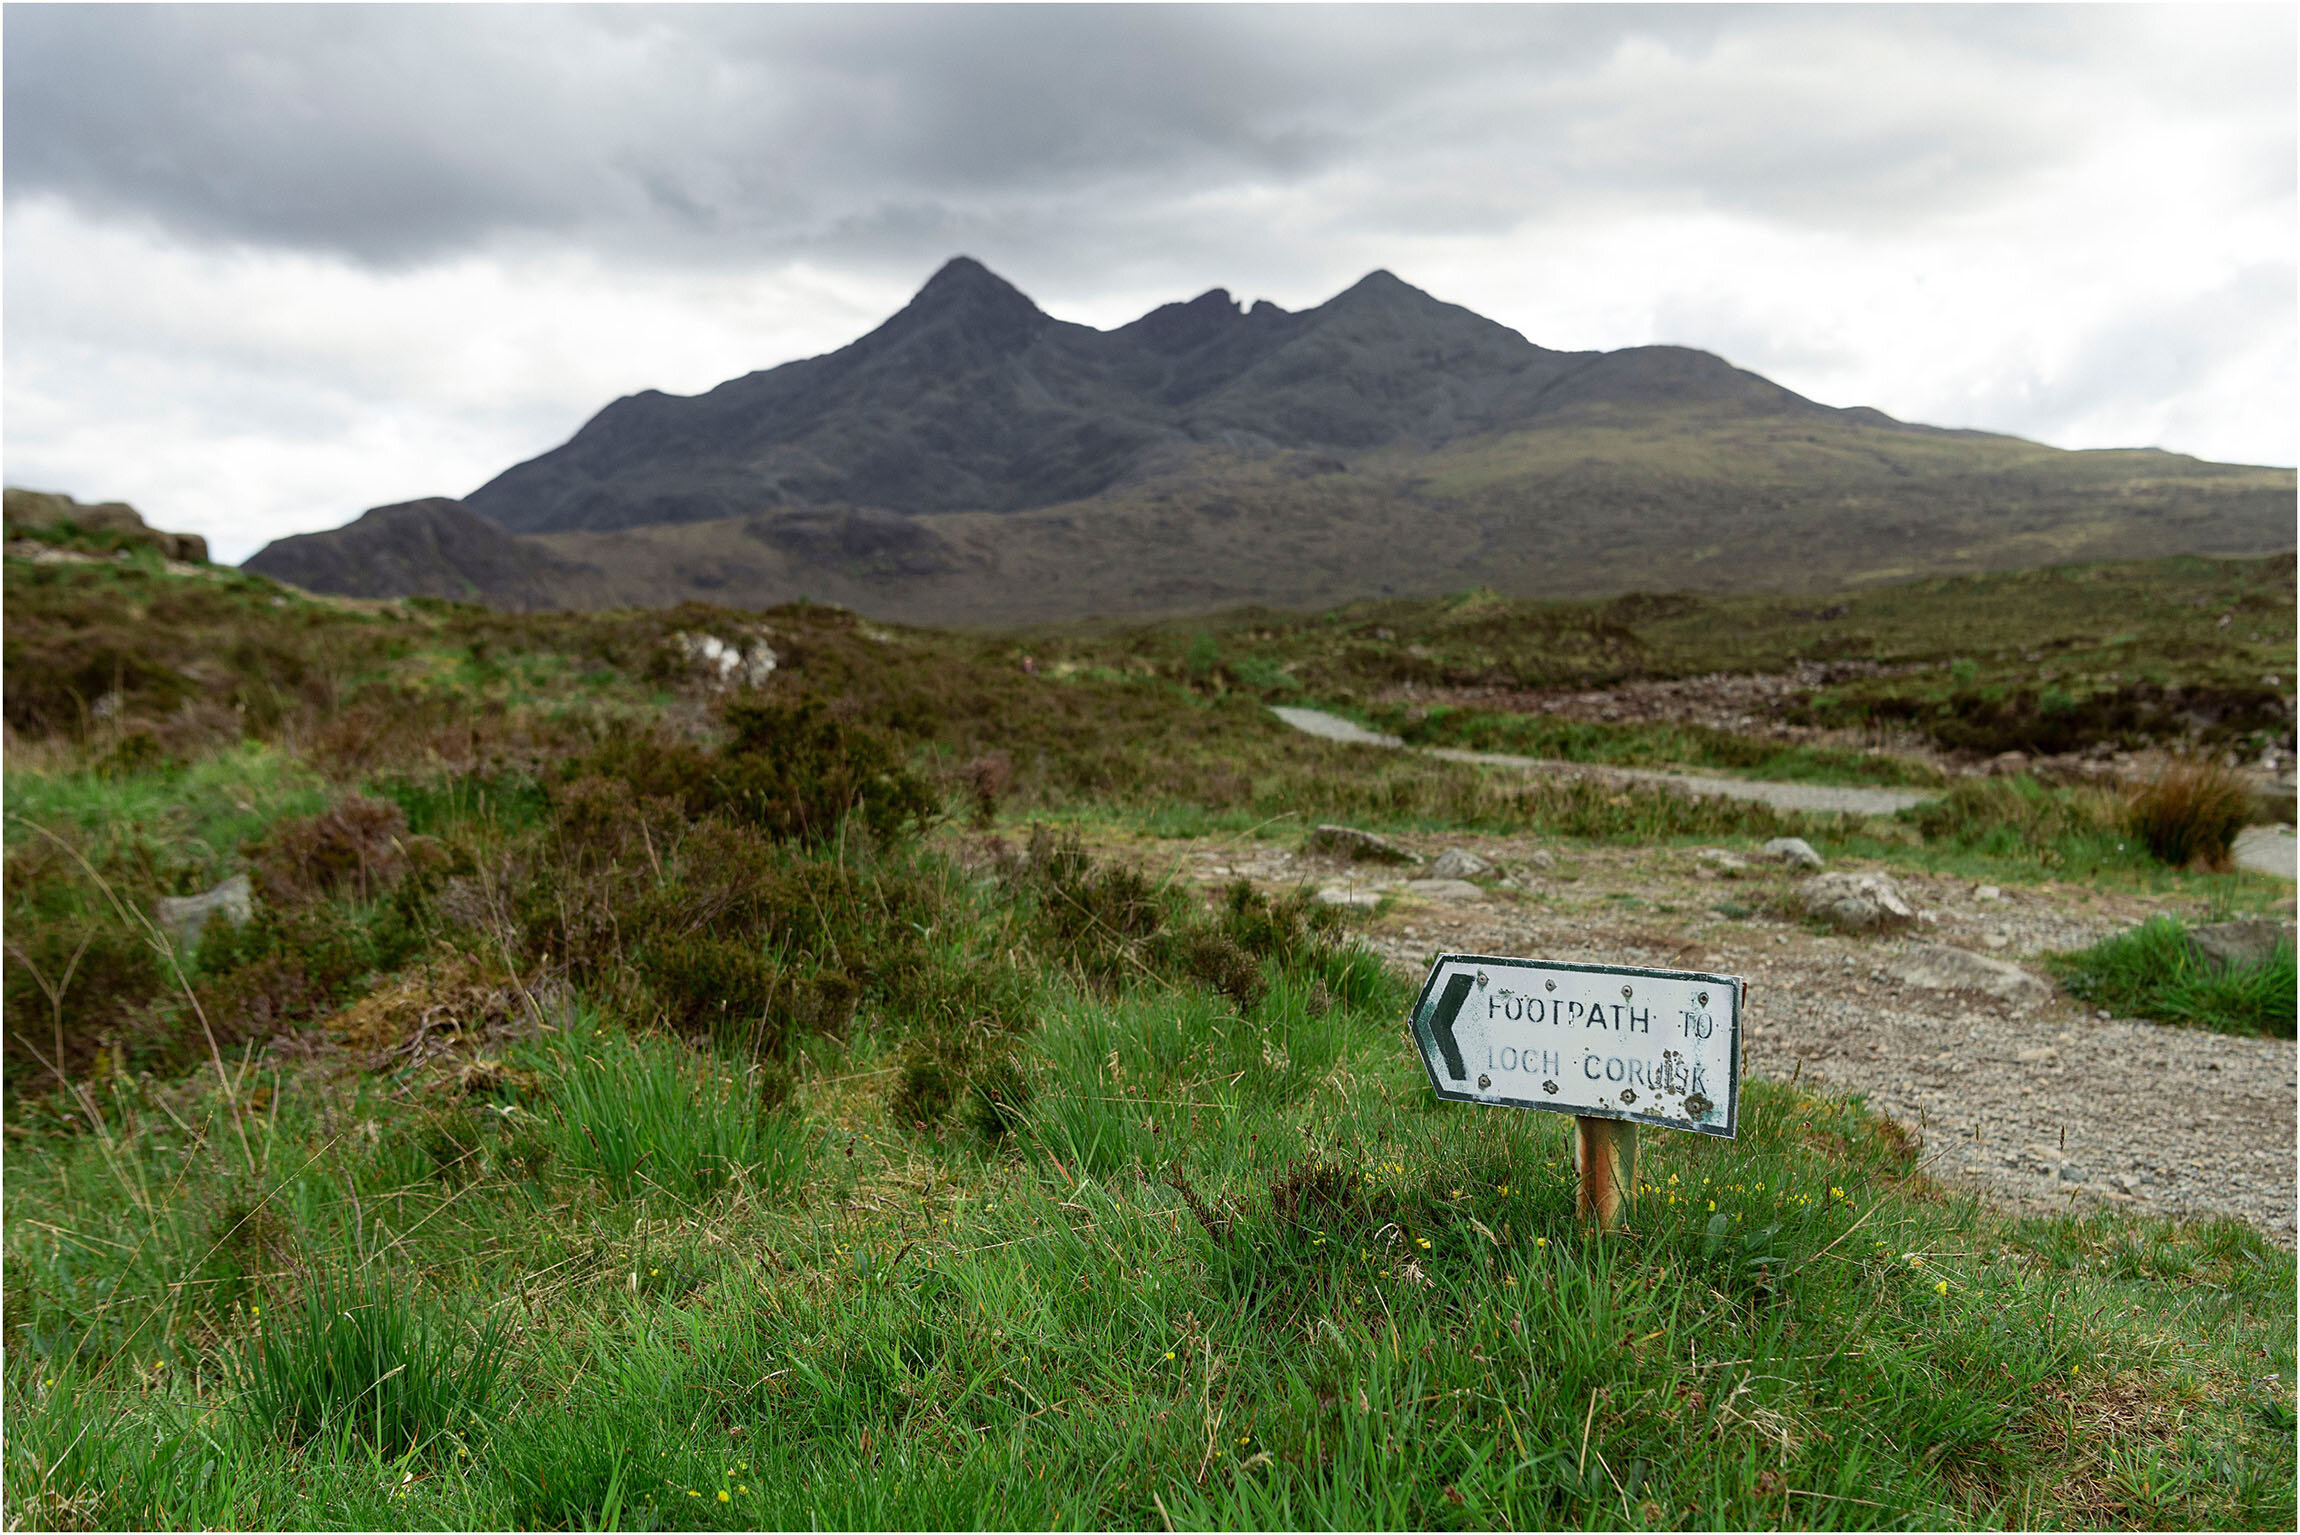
{"x":1456,"y":992}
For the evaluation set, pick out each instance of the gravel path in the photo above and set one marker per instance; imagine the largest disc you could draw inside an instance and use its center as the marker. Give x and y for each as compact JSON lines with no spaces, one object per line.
{"x":2042,"y":1108}
{"x":2263,"y":849}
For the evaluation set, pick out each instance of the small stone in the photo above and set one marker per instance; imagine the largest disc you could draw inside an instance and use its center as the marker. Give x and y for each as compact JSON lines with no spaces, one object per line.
{"x":1360,"y":846}
{"x":1856,"y":903}
{"x":2037,"y":1053}
{"x":1336,"y":895}
{"x":1444,"y":890}
{"x":1718,"y":860}
{"x":1988,"y":893}
{"x":1456,"y":863}
{"x":2124,"y":1181}
{"x":1796,"y":852}
{"x":1995,"y":940}
{"x":186,"y":916}
{"x":1542,"y":858}
{"x":1942,"y":967}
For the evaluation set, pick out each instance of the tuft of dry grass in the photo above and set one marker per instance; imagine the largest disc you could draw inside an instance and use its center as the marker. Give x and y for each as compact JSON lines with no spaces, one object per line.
{"x":2191,"y":812}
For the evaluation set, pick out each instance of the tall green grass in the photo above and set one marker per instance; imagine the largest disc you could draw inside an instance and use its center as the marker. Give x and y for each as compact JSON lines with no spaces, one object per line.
{"x":2154,"y":971}
{"x":649,"y":1114}
{"x":370,"y":1356}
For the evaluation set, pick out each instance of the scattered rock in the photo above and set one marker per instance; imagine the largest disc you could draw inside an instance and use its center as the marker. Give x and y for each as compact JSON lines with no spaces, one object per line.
{"x":1796,"y":852}
{"x":1988,"y":893}
{"x":2234,"y":945}
{"x":1996,"y":940}
{"x":1361,"y":846}
{"x":1542,"y":858}
{"x":1445,"y":890}
{"x":727,"y":662}
{"x":186,"y":916}
{"x":1943,"y":967}
{"x":1717,"y":860}
{"x":1337,"y":895}
{"x":1856,"y":903}
{"x":29,"y":509}
{"x":1456,"y":863}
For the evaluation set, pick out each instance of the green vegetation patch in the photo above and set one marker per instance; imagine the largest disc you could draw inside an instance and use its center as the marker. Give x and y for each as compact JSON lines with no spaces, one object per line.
{"x":1647,"y":745}
{"x":2156,"y":971}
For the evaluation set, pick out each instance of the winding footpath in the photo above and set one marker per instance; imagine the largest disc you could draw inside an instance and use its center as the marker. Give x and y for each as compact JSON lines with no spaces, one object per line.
{"x":2262,"y":849}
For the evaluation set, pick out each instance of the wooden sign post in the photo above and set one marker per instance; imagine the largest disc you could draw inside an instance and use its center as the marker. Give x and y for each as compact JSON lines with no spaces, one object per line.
{"x":1605,"y":1160}
{"x":1614,"y":1047}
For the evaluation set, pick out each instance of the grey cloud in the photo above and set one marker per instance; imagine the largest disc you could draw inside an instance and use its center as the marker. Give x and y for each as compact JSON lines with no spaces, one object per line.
{"x":866,"y":134}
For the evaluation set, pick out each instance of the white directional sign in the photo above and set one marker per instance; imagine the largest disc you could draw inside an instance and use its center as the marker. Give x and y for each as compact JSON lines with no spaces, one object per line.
{"x":1660,"y":1047}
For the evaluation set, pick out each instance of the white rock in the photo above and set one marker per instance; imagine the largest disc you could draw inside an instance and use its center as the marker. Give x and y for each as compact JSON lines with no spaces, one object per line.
{"x":1856,"y":903}
{"x":1337,"y":895}
{"x":1943,"y":967}
{"x":1996,"y":940}
{"x":1988,"y":893}
{"x":1717,"y":858}
{"x":727,"y":662}
{"x":1444,"y":890}
{"x":1455,"y":863}
{"x":185,"y":916}
{"x":1796,"y":852}
{"x":1542,"y":858}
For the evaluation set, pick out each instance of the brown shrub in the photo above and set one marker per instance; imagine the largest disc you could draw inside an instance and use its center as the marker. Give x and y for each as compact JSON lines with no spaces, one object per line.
{"x":987,"y":779}
{"x":358,"y":845}
{"x":2191,"y":813}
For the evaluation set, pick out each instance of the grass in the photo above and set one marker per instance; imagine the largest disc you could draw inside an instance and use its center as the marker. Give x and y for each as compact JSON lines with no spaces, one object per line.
{"x":2191,"y":813}
{"x":1648,"y":745}
{"x":646,"y":1114}
{"x":651,"y":1140}
{"x":366,"y":1357}
{"x":2153,"y":971}
{"x":2037,"y":661}
{"x":1195,"y":1288}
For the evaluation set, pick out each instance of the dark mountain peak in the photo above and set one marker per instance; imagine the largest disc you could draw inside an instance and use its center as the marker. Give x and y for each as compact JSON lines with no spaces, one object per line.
{"x":1383,"y":287}
{"x":965,"y":277}
{"x":1185,"y":327}
{"x":434,"y":547}
{"x":970,"y":299}
{"x":965,"y":285}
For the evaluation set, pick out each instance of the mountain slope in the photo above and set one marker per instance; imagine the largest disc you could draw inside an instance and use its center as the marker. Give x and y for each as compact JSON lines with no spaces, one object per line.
{"x":431,"y":548}
{"x":972,"y":399}
{"x":975,"y":461}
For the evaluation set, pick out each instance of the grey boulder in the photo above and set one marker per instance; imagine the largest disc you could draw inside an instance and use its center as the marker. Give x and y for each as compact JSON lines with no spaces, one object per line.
{"x":185,"y":917}
{"x":1796,"y":852}
{"x":2236,"y":945}
{"x":1360,"y":846}
{"x":1943,"y":967}
{"x":1444,"y":890}
{"x":1856,"y":903}
{"x":1456,"y":863}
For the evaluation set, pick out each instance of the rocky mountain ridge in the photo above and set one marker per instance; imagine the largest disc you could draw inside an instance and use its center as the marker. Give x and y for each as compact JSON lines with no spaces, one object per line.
{"x":974,"y":460}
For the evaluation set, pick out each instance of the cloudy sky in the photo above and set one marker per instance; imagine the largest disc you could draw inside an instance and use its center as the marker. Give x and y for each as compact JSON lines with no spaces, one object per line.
{"x":268,"y":266}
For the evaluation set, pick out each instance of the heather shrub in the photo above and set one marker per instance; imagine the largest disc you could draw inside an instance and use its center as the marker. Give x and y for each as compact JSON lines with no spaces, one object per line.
{"x":356,"y":847}
{"x":2191,"y":812}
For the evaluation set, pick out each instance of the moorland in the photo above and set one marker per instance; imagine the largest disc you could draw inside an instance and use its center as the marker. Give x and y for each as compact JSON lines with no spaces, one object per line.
{"x":700,"y":1067}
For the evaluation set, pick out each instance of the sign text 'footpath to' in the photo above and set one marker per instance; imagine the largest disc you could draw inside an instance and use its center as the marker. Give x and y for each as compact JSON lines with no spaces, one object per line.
{"x":1660,"y":1047}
